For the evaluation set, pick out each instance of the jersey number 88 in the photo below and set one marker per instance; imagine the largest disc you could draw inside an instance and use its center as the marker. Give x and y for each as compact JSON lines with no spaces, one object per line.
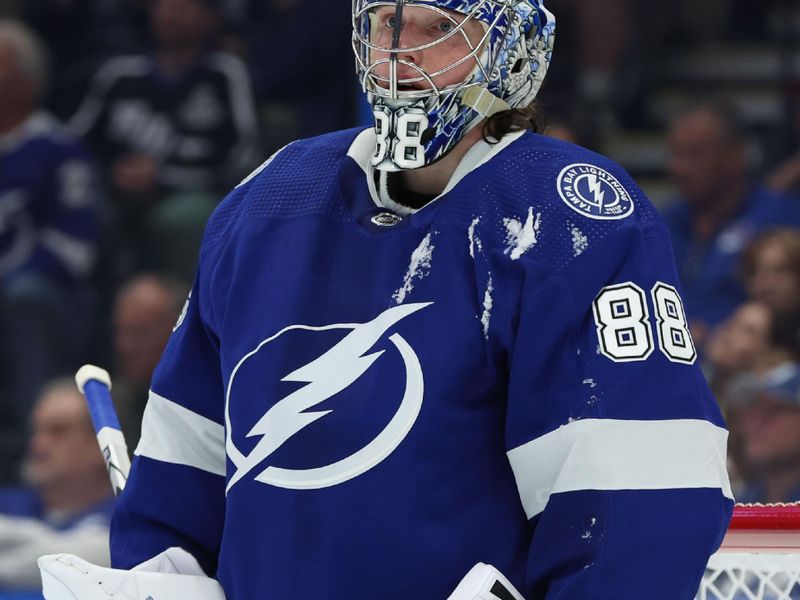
{"x":624,"y":328}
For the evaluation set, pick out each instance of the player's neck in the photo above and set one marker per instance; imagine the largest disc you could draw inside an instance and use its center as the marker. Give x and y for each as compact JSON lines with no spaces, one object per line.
{"x":432,"y":180}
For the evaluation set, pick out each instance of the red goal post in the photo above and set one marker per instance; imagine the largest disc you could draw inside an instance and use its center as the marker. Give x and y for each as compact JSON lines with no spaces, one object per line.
{"x":759,"y":558}
{"x":764,"y":528}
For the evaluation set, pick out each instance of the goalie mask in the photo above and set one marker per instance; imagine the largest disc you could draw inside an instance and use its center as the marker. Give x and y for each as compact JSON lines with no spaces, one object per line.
{"x":502,"y":48}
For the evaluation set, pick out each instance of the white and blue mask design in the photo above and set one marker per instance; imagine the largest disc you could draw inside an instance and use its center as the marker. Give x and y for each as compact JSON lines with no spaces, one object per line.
{"x":417,"y":121}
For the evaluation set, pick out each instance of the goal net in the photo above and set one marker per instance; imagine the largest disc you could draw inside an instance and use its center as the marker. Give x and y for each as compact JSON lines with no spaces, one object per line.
{"x":759,"y":558}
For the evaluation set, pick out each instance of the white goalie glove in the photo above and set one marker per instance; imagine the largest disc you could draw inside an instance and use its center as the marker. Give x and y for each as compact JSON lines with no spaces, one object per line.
{"x":484,"y":582}
{"x":172,"y":574}
{"x":175,"y":574}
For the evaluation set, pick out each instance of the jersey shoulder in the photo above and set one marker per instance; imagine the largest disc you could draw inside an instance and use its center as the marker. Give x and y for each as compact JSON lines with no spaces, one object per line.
{"x":570,"y":180}
{"x":549,"y":201}
{"x":299,"y":179}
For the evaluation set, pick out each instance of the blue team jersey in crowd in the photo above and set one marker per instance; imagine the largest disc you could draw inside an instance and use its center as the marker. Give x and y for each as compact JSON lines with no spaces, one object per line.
{"x":359,"y":405}
{"x":48,"y":203}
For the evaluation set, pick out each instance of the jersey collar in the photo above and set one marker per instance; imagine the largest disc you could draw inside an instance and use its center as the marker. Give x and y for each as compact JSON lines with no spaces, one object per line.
{"x":363,"y":147}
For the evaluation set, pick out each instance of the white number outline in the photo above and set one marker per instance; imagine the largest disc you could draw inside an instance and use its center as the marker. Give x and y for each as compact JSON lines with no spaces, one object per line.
{"x":403,"y":139}
{"x":665,"y":324}
{"x":383,"y":125}
{"x":600,"y":308}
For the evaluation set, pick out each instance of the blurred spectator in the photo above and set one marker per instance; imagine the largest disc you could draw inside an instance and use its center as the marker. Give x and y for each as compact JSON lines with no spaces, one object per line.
{"x":145,"y":311}
{"x":10,"y":9}
{"x":766,"y":425}
{"x":302,"y":63}
{"x":67,"y":501}
{"x":562,"y":130}
{"x":738,"y":345}
{"x":771,"y":269}
{"x":786,"y":176}
{"x":81,"y":36}
{"x":48,"y":204}
{"x":753,"y":340}
{"x":176,"y":125}
{"x":719,"y":211}
{"x":602,"y":33}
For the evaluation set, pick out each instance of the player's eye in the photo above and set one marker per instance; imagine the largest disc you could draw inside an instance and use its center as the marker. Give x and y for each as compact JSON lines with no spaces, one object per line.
{"x":390,"y":22}
{"x":445,"y":26}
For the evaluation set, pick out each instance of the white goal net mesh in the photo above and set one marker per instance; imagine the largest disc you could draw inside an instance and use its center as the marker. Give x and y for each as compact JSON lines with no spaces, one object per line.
{"x":760,"y":557}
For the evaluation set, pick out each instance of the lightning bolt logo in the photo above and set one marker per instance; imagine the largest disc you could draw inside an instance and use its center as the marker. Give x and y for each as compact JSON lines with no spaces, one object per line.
{"x":596,"y":187}
{"x":594,"y":192}
{"x":332,"y":372}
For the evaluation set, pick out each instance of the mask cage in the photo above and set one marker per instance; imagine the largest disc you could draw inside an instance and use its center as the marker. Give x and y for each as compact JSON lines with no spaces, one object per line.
{"x":388,"y":87}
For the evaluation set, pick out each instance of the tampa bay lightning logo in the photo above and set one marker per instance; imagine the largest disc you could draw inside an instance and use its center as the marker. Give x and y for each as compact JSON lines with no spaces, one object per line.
{"x":337,"y":369}
{"x":594,"y":192}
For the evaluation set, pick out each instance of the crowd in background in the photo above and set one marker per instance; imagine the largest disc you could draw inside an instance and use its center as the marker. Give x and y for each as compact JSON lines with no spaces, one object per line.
{"x":124,"y":122}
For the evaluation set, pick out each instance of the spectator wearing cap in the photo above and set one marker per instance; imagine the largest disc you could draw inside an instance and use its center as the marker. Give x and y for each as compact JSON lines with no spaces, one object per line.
{"x":719,"y":211}
{"x":767,"y":424}
{"x":753,"y":362}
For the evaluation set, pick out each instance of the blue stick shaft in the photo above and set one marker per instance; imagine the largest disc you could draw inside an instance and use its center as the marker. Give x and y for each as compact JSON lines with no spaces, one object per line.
{"x":95,"y":384}
{"x":101,"y":407}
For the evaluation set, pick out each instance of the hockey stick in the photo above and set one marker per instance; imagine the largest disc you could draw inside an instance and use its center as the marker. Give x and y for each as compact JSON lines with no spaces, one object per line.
{"x":95,"y":384}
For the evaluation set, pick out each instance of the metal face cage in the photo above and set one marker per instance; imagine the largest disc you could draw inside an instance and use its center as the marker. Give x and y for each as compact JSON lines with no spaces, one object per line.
{"x":373,"y":59}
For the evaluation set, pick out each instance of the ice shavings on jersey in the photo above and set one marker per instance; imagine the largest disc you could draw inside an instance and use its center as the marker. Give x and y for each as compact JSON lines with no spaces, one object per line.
{"x":474,"y":241}
{"x":579,"y":241}
{"x":588,"y":533}
{"x":418,"y":268}
{"x":486,"y":317}
{"x":521,"y":238}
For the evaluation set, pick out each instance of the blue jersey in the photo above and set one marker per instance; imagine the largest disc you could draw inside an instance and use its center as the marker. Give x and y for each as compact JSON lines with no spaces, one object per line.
{"x":361,"y":403}
{"x":48,"y":203}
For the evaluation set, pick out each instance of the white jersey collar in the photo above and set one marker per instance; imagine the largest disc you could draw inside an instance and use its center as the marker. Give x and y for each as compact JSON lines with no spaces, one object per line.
{"x":363,"y":147}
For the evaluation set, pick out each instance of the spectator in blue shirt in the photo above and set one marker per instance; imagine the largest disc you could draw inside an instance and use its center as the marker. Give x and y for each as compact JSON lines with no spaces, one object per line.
{"x":66,"y":503}
{"x":719,"y":211}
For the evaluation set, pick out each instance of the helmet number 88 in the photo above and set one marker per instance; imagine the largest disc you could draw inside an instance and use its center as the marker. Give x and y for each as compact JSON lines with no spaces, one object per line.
{"x":401,"y":135}
{"x":624,"y":329}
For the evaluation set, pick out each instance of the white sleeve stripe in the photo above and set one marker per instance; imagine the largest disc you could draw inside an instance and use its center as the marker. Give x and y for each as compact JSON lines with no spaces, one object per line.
{"x":177,"y":435}
{"x":604,"y":454}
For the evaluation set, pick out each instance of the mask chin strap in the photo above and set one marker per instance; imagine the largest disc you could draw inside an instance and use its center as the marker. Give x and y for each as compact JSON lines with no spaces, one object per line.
{"x":483,"y":102}
{"x":393,"y":57}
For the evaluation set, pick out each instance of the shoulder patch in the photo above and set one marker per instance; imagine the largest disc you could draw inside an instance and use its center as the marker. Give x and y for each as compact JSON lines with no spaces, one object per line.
{"x":594,"y":192}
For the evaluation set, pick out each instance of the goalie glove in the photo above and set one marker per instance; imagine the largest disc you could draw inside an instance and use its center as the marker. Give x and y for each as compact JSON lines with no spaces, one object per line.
{"x":174,"y":574}
{"x":484,"y":582}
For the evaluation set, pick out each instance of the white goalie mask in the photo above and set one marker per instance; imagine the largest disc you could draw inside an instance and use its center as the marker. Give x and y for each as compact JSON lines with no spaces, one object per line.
{"x":480,"y":57}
